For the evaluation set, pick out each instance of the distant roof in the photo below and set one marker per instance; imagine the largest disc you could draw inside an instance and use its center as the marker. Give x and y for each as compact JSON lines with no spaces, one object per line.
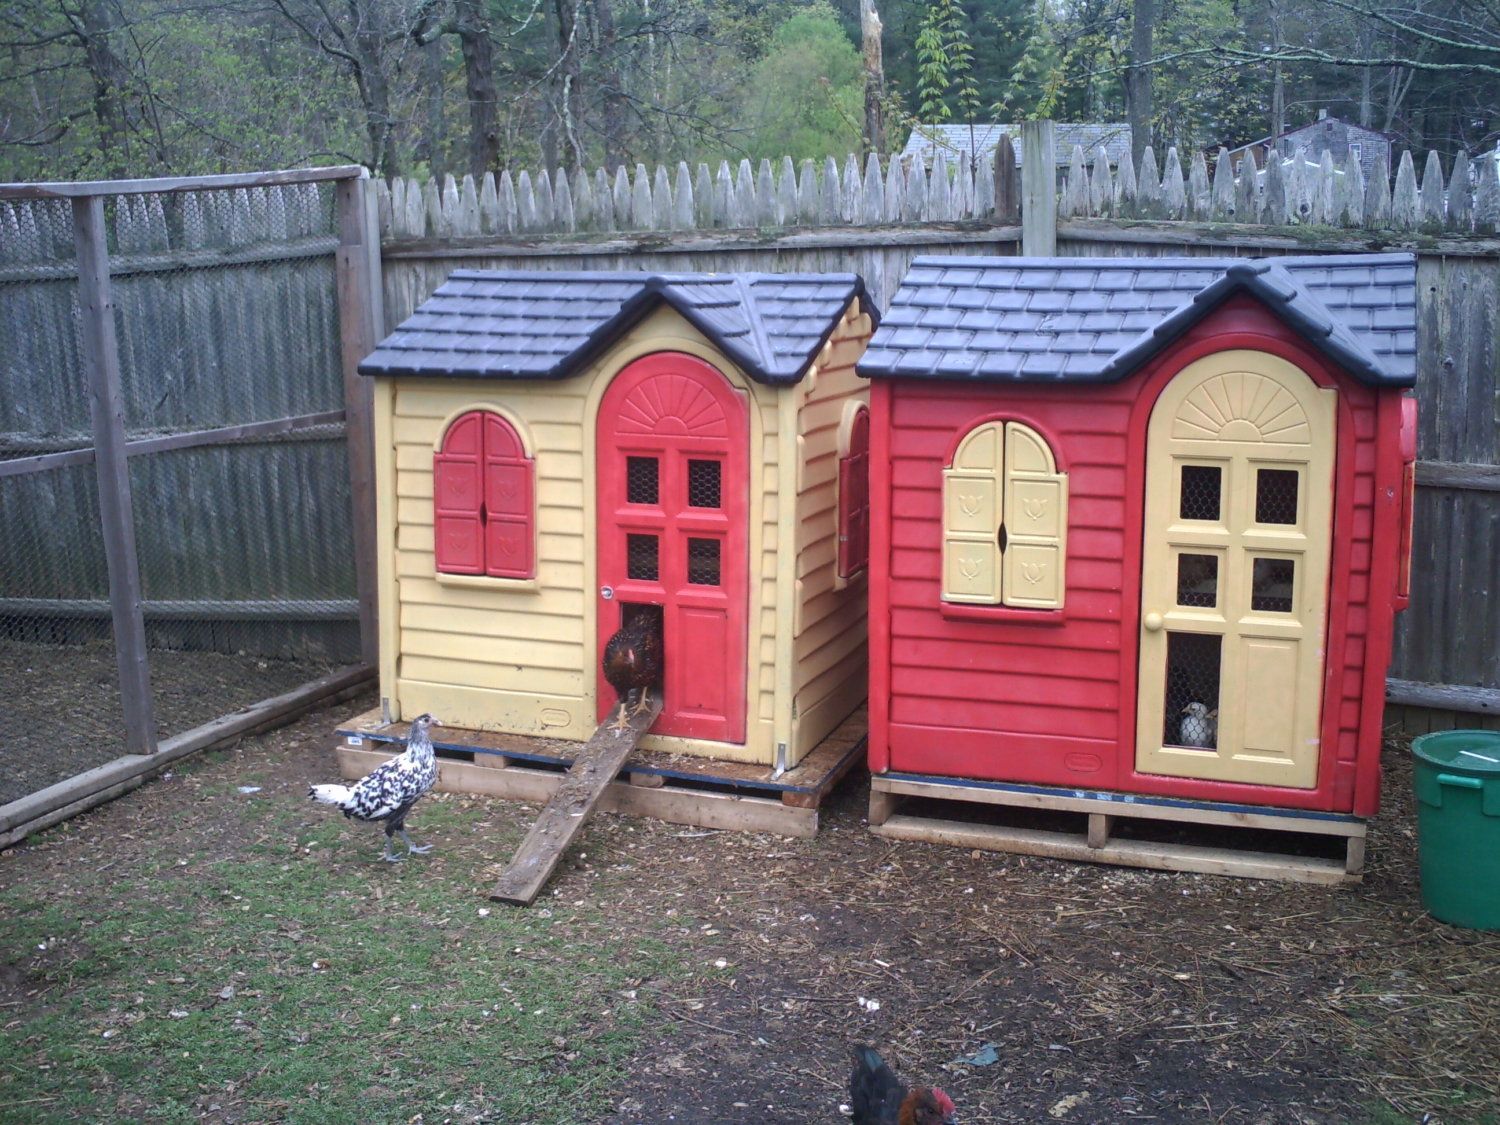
{"x":536,"y":324}
{"x":954,"y":140}
{"x":1097,"y":320}
{"x":1299,"y":128}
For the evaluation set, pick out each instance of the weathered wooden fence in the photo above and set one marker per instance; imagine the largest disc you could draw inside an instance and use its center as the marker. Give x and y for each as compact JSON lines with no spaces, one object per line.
{"x":228,"y":332}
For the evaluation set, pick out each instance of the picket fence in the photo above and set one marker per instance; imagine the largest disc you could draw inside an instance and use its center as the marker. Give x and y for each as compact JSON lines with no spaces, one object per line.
{"x":1258,"y":188}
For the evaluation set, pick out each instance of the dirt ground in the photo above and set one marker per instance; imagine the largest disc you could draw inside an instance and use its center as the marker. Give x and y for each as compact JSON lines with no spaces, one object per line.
{"x":1078,"y":993}
{"x":60,"y":705}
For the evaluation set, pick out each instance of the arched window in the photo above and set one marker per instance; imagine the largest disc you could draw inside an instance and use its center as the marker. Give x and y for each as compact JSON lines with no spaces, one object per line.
{"x":482,"y":497}
{"x":1005,"y":520}
{"x":854,"y":495}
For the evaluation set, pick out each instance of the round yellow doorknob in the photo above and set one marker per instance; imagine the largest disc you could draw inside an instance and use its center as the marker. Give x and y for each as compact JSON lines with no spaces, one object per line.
{"x":1153,"y":622}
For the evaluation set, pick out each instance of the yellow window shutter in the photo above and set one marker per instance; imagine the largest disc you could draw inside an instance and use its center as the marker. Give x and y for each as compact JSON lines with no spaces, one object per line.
{"x":1036,"y":522}
{"x":973,"y":509}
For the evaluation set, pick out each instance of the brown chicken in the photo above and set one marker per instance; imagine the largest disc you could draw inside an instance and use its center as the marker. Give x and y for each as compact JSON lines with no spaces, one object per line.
{"x":633,"y":660}
{"x":878,"y":1097}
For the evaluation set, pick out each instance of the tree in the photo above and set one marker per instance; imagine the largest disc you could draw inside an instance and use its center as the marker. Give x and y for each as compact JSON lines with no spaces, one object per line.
{"x":805,"y":97}
{"x":1138,"y":77}
{"x":368,"y":38}
{"x":945,"y":65}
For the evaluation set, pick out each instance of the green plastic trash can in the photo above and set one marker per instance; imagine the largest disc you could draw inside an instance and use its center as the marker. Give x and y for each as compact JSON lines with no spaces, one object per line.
{"x":1457,"y":776}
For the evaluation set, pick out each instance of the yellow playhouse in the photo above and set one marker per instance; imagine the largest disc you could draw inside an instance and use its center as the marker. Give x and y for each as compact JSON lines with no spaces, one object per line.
{"x":553,"y":449}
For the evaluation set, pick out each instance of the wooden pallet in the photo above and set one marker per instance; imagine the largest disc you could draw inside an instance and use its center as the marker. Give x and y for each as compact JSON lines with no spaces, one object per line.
{"x":1089,"y":828}
{"x":677,"y":788}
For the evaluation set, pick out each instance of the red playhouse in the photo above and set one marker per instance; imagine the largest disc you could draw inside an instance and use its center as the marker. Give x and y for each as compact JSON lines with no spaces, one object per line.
{"x":1140,"y":528}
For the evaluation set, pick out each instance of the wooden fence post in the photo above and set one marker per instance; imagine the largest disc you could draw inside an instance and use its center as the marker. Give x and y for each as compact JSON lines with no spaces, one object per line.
{"x":1007,"y":198}
{"x":361,"y":324}
{"x":1038,"y":190}
{"x":101,"y":359}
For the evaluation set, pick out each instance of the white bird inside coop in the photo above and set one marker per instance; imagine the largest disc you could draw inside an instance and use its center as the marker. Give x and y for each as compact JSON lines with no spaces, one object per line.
{"x":1198,"y":726}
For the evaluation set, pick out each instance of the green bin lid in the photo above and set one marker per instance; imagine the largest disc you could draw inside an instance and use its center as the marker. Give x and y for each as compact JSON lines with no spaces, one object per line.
{"x":1462,"y":751}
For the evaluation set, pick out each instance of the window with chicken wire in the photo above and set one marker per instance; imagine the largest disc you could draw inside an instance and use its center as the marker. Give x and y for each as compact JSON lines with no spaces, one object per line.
{"x":1192,"y":696}
{"x":1197,"y":580}
{"x":641,"y":558}
{"x":1200,"y":498}
{"x":703,"y":562}
{"x":1276,"y":496}
{"x":642,"y":485}
{"x":1271,"y":584}
{"x":703,"y":483}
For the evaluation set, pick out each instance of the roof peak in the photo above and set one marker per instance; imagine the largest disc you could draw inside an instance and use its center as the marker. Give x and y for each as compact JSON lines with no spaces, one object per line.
{"x":1099,"y":319}
{"x":542,"y":324}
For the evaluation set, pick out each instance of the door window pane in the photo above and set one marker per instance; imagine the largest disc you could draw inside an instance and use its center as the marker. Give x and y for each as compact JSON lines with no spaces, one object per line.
{"x":703,"y":562}
{"x":1192,"y":696}
{"x":703,"y":484}
{"x":641,"y":557}
{"x":1271,"y":585}
{"x":1276,"y":496}
{"x":641,"y":486}
{"x":1198,"y":580}
{"x":1201,"y":488}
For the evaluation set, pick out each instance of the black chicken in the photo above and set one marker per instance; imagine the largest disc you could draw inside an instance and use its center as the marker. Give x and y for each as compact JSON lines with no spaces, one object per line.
{"x":878,"y":1098}
{"x":633,"y":660}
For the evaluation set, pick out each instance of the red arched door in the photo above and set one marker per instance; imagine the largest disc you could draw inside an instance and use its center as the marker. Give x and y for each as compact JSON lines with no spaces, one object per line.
{"x":673,"y":492}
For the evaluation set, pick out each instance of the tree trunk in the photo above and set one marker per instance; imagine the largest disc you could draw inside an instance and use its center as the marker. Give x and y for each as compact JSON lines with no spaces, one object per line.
{"x":471,"y":25}
{"x":1366,"y":76}
{"x":433,"y":142}
{"x":375,"y":97}
{"x":569,"y":82}
{"x":1138,"y":78}
{"x":611,"y":91}
{"x":1278,"y":80}
{"x":110,"y":79}
{"x":869,"y":26}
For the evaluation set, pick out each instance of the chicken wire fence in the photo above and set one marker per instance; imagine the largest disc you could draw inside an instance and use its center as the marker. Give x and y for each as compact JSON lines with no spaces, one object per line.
{"x":227,"y":330}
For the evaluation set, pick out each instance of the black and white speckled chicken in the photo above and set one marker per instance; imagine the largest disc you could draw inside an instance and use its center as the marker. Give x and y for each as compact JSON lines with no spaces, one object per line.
{"x":633,"y":659}
{"x":388,"y":792}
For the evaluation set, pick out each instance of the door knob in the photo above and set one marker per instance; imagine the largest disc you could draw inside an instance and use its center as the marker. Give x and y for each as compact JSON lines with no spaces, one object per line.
{"x":1153,"y":622}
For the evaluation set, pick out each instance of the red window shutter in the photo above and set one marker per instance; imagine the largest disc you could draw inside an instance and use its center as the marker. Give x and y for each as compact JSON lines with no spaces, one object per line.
{"x":457,"y":495}
{"x":508,"y":487}
{"x":854,"y":499}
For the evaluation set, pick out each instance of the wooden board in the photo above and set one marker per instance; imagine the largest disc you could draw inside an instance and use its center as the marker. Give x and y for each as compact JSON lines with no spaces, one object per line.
{"x":1096,"y":841}
{"x":572,"y":803}
{"x":1125,"y":853}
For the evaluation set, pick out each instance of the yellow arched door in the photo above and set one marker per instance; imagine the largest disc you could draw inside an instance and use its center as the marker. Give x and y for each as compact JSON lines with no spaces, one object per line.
{"x":1234,"y":584}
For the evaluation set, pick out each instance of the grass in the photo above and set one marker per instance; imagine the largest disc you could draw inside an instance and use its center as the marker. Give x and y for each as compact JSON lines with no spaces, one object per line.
{"x":291,"y":977}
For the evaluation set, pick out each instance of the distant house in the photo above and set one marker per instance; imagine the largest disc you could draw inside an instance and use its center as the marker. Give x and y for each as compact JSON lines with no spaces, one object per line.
{"x":1333,"y":135}
{"x":956,"y":141}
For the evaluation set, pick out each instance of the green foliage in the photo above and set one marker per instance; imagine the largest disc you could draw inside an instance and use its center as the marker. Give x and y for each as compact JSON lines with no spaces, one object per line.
{"x":805,"y":96}
{"x":945,"y":65}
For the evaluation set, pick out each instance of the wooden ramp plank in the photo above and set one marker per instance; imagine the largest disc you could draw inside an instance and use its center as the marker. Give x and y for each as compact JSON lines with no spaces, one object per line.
{"x":576,"y":798}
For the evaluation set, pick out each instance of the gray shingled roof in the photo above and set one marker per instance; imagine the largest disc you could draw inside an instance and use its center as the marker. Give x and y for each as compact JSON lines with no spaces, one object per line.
{"x":535,"y":324}
{"x":1095,"y":320}
{"x":954,"y":140}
